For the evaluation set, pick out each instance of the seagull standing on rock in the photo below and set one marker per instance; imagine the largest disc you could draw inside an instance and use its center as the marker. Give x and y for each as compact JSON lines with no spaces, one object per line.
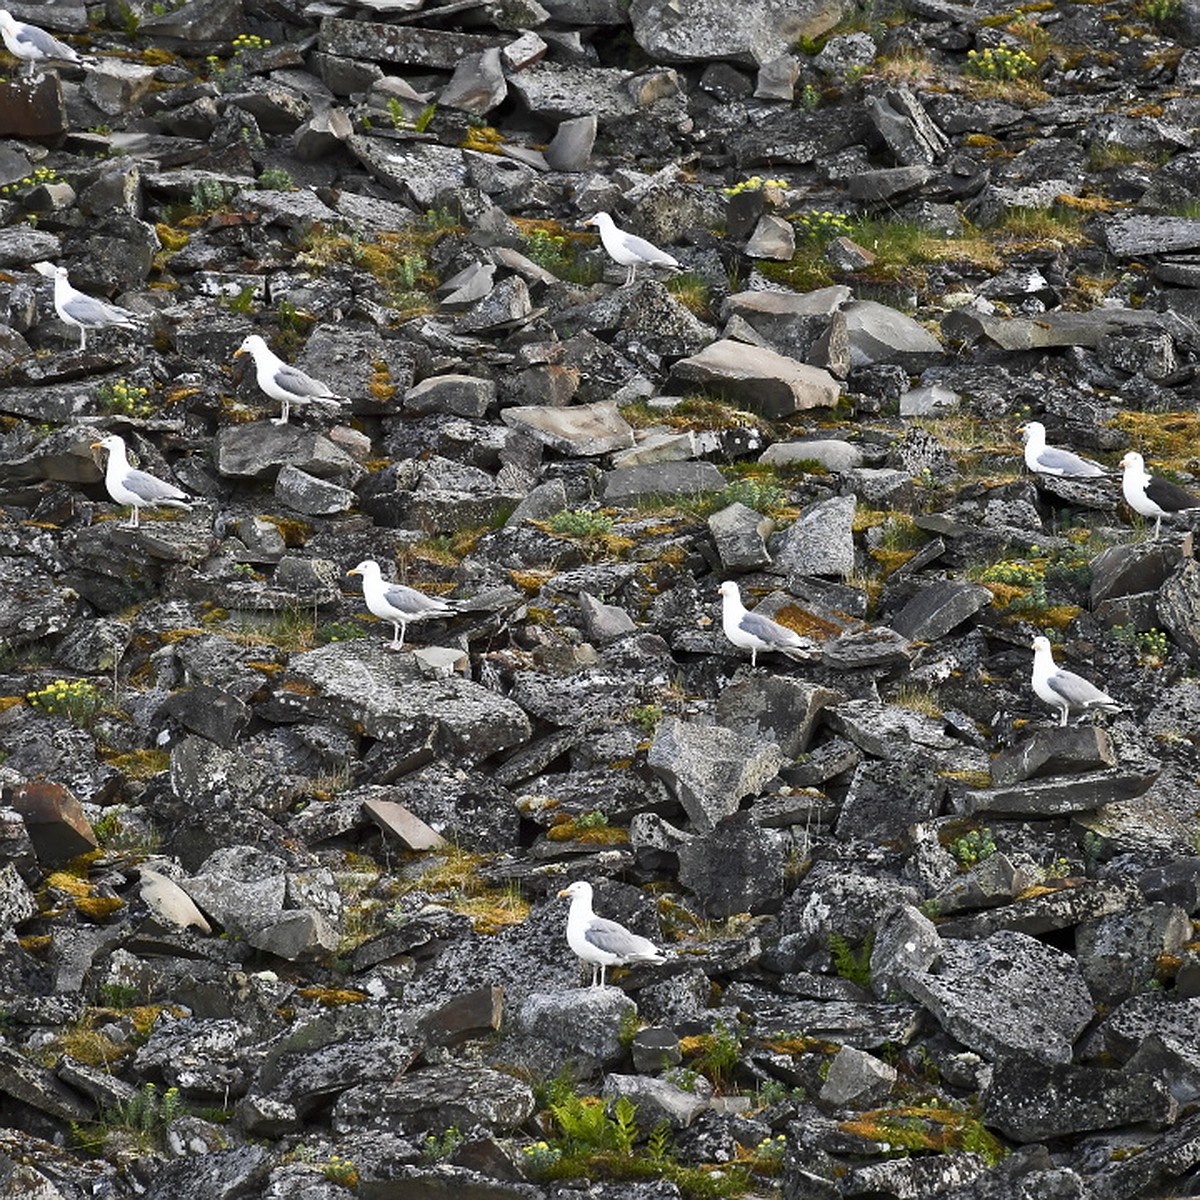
{"x":396,"y":603}
{"x":78,"y":309}
{"x":627,"y":248}
{"x":602,"y":943}
{"x":33,"y":45}
{"x":287,"y":384}
{"x":750,"y":631}
{"x":1048,"y":460}
{"x":1150,"y":496}
{"x":1065,"y":690}
{"x":138,"y":489}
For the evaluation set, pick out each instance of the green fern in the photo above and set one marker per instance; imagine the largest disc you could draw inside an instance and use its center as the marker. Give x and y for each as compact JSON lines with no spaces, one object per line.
{"x":852,"y":964}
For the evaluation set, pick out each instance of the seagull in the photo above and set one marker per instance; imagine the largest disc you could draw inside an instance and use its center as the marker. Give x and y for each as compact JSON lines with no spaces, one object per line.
{"x":396,"y":603}
{"x":1048,"y":460}
{"x":627,"y":248}
{"x":750,"y":631}
{"x":33,"y":45}
{"x":82,"y":311}
{"x":1150,"y":496}
{"x":1065,"y":690}
{"x":287,"y":384}
{"x":600,"y":942}
{"x":127,"y":485}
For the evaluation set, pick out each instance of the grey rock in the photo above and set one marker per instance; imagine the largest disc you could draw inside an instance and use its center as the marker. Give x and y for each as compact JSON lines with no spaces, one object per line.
{"x":1008,"y":993}
{"x":571,"y":147}
{"x":929,"y":401}
{"x":305,"y":493}
{"x":1031,"y":1101}
{"x":261,"y":450}
{"x":478,"y":84}
{"x":884,"y":799}
{"x":758,"y":379}
{"x":604,"y":623}
{"x":938,"y":608}
{"x":17,"y":904}
{"x":820,"y":541}
{"x":834,"y":455}
{"x":906,"y":943}
{"x":740,"y":535}
{"x":879,"y":334}
{"x":408,"y":45}
{"x":775,"y":708}
{"x":1119,"y":954}
{"x":586,"y":429}
{"x":434,"y":1099}
{"x":995,"y":881}
{"x":710,"y":768}
{"x":777,"y":81}
{"x":1130,"y":236}
{"x":655,"y":1049}
{"x":773,"y":238}
{"x":657,"y":1100}
{"x":581,"y":1021}
{"x":458,"y":395}
{"x":735,"y":867}
{"x":627,"y":485}
{"x":857,"y":1079}
{"x":1049,"y":752}
{"x":1179,"y":607}
{"x":1052,"y":797}
{"x":907,"y":129}
{"x":33,"y":108}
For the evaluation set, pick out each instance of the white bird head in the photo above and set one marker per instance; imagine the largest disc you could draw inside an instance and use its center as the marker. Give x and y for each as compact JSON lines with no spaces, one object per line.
{"x":112,"y":442}
{"x":1033,"y":431}
{"x":368,"y":566}
{"x":729,"y":588}
{"x":599,"y":220}
{"x":1040,"y":645}
{"x":6,"y":20}
{"x":1133,"y":461}
{"x":46,"y":269}
{"x":580,"y":887}
{"x":253,"y":344}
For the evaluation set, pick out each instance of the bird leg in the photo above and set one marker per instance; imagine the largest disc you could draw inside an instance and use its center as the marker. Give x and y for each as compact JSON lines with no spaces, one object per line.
{"x":753,"y":656}
{"x":283,"y":419}
{"x":82,"y":338}
{"x":397,"y":642}
{"x":133,"y":520}
{"x":631,"y":274}
{"x":602,"y":974}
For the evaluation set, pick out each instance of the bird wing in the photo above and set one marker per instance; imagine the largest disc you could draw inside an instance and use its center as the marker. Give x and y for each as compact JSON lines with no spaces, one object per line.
{"x":87,"y":310}
{"x":1077,"y":691}
{"x":770,"y":631}
{"x":150,"y":489}
{"x":1170,"y":497}
{"x":299,"y":385}
{"x":46,"y":44}
{"x":647,"y":251}
{"x":614,"y":939}
{"x":411,"y":602}
{"x":1063,"y":462}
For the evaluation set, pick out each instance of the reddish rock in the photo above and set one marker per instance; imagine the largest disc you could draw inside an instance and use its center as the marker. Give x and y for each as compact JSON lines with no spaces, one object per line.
{"x":33,"y":108}
{"x":55,"y":821}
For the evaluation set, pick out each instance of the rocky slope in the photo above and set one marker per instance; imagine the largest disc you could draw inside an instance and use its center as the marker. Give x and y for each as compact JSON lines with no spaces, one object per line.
{"x":279,"y":906}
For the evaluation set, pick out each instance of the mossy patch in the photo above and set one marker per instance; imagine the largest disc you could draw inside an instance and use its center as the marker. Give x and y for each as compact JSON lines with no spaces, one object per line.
{"x":98,"y":908}
{"x":943,"y":1130}
{"x":332,"y":997}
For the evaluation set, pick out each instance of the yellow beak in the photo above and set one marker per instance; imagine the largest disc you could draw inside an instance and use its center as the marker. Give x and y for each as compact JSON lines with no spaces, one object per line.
{"x":356,"y":571}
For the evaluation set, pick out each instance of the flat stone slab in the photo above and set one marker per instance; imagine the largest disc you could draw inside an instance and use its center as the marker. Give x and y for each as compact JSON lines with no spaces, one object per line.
{"x":1006,"y":994}
{"x":1044,"y":911}
{"x":1049,"y":329}
{"x":938,"y":608}
{"x":406,"y":44}
{"x":758,"y":379}
{"x":584,"y":429}
{"x":1131,"y":236}
{"x":1055,"y":797}
{"x":630,"y":484}
{"x":1070,"y":751}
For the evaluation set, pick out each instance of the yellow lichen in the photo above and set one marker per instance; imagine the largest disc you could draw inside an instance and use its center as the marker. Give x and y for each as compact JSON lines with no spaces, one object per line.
{"x":332,"y":997}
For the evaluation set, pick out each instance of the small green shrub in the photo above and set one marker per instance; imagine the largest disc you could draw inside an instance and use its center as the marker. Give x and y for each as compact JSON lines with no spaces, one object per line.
{"x":849,"y":963}
{"x":124,"y":397}
{"x":821,"y":227}
{"x":973,"y":847}
{"x":35,"y":178}
{"x":999,"y":65}
{"x":754,"y":184}
{"x":440,"y":1149}
{"x":76,"y":699}
{"x":1160,"y":12}
{"x":275,"y":179}
{"x":1152,"y":645}
{"x":580,"y":523}
{"x":210,"y":194}
{"x":647,"y":716}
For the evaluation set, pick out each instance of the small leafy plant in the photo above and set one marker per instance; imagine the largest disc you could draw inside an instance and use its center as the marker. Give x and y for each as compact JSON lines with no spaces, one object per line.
{"x":76,"y":699}
{"x":441,"y":1148}
{"x":35,"y":178}
{"x":580,"y":523}
{"x":1152,"y":645}
{"x":276,"y":179}
{"x":647,"y":716}
{"x":124,"y":397}
{"x":754,"y":184}
{"x":821,"y":226}
{"x":999,"y":65}
{"x":340,"y":1170}
{"x":230,"y":76}
{"x":973,"y":847}
{"x":849,"y":963}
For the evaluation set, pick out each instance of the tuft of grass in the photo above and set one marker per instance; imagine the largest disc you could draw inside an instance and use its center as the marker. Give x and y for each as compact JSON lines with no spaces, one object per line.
{"x":918,"y":698}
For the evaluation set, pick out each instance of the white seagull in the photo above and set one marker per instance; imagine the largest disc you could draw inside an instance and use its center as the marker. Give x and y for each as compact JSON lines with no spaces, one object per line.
{"x":750,"y":631}
{"x":1065,"y":690}
{"x":627,"y":248}
{"x":600,"y":942}
{"x":33,"y":45}
{"x":1048,"y":460}
{"x":83,"y":311}
{"x":127,"y":485}
{"x":287,"y":384}
{"x":396,"y":603}
{"x":1150,"y":496}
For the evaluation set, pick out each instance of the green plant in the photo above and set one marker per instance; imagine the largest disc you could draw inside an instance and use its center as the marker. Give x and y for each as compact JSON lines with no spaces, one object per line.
{"x":541,"y":1157}
{"x":849,"y":963}
{"x":585,"y":1123}
{"x":762,"y":495}
{"x":1160,"y":12}
{"x":76,"y":699}
{"x":35,"y":178}
{"x":821,"y":227}
{"x":211,"y":194}
{"x":1153,"y":646}
{"x":229,"y":77}
{"x":973,"y":847}
{"x":145,"y":1115}
{"x":754,"y":184}
{"x":809,"y":98}
{"x":124,"y":397}
{"x":592,"y":820}
{"x":440,"y":1149}
{"x":692,"y":291}
{"x":339,"y":631}
{"x":716,"y":1054}
{"x":999,"y":64}
{"x":580,"y":523}
{"x":340,"y":1170}
{"x":647,"y":716}
{"x":275,"y":179}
